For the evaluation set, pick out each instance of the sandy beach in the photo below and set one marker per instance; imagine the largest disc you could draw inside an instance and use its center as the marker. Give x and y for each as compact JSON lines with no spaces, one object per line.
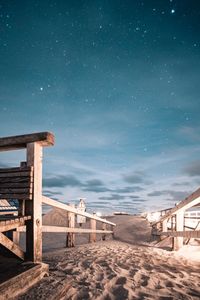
{"x":128,"y":267}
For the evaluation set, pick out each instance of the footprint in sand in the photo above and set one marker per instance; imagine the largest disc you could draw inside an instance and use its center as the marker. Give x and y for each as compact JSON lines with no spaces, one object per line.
{"x":119,"y":292}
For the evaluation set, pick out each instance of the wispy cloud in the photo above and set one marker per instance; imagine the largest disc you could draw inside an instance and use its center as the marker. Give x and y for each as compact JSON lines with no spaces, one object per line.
{"x":113,"y":197}
{"x":189,"y":133}
{"x":61,"y":181}
{"x":175,"y":195}
{"x":193,"y":168}
{"x":136,"y":177}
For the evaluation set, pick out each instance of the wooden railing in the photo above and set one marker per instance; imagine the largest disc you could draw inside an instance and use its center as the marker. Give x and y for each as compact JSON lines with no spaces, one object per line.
{"x":71,"y":230}
{"x":24,"y":183}
{"x":176,"y":217}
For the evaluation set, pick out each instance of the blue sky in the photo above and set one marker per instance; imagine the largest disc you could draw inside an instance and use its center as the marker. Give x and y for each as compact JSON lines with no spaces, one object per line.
{"x":117,"y":82}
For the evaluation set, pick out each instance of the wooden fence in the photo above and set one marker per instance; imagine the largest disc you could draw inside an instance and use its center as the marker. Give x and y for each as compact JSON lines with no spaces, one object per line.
{"x":172,"y":223}
{"x":24,"y":183}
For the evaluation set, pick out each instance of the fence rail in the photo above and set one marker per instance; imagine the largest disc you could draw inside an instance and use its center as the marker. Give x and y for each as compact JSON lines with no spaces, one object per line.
{"x":71,"y":209}
{"x":187,"y":234}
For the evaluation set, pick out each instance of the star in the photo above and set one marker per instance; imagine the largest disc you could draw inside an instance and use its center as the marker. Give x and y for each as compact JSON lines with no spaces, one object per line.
{"x":173,"y":11}
{"x":41,"y":88}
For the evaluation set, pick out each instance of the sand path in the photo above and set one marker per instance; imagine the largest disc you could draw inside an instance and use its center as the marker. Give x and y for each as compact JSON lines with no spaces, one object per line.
{"x":118,"y":270}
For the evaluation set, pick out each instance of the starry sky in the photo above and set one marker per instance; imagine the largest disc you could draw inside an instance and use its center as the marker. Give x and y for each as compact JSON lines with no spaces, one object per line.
{"x":118,"y":83}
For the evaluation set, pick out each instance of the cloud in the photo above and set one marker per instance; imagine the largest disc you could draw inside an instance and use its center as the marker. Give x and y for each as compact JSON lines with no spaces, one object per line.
{"x":51,"y":194}
{"x":184,"y":183}
{"x":134,"y":197}
{"x":62,"y":181}
{"x":193,"y":169}
{"x":95,"y":182}
{"x":136,"y":177}
{"x":95,"y":185}
{"x":113,"y":197}
{"x":191,"y":133}
{"x":128,"y":189}
{"x":2,"y":165}
{"x":175,"y":195}
{"x":137,"y":199}
{"x":96,"y":189}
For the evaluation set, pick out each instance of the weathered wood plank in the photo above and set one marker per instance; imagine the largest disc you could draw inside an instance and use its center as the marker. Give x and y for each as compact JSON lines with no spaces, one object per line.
{"x":11,"y":180}
{"x":16,"y":169}
{"x":34,"y":208}
{"x":16,"y":174}
{"x":70,"y":240}
{"x":15,"y":190}
{"x":19,"y":185}
{"x":21,"y":141}
{"x":93,"y":226}
{"x":16,"y":196}
{"x":21,"y":283}
{"x":104,"y":229}
{"x":8,"y":244}
{"x":66,"y":207}
{"x":46,"y":228}
{"x":13,"y":224}
{"x":187,"y":234}
{"x":178,"y":241}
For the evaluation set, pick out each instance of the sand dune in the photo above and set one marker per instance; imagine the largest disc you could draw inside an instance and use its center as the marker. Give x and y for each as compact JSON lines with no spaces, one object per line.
{"x":126,"y":268}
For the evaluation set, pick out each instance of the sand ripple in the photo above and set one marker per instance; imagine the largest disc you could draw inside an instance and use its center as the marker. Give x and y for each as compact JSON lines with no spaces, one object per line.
{"x":114,"y":270}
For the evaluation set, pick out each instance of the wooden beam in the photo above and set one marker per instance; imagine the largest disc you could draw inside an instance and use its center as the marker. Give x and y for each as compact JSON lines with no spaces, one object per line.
{"x":93,"y":226}
{"x":15,"y":190}
{"x":104,"y":229}
{"x":16,"y":169}
{"x":21,"y":283}
{"x":186,"y":234}
{"x":178,"y":241}
{"x":18,"y":185}
{"x":46,"y":228}
{"x":34,"y":207}
{"x":164,"y":225}
{"x":11,"y":180}
{"x":16,"y":174}
{"x":13,"y":224}
{"x":16,"y":196}
{"x":16,"y":237}
{"x":70,"y":241}
{"x":66,"y":207}
{"x":21,"y":141}
{"x":8,"y":244}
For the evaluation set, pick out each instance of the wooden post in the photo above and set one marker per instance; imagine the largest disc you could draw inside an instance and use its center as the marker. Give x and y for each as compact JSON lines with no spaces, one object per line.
{"x":70,"y":241}
{"x":164,"y":229}
{"x":103,"y":228}
{"x":164,"y":225}
{"x":34,"y":207}
{"x":93,"y":226}
{"x":178,"y":241}
{"x":21,"y":211}
{"x":16,"y":237}
{"x":112,"y":228}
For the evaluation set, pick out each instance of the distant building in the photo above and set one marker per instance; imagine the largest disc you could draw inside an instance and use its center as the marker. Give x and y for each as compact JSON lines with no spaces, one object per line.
{"x":8,"y":207}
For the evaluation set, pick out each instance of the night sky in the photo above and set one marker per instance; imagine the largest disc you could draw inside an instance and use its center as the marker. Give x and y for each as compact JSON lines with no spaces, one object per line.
{"x":118,"y":83}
